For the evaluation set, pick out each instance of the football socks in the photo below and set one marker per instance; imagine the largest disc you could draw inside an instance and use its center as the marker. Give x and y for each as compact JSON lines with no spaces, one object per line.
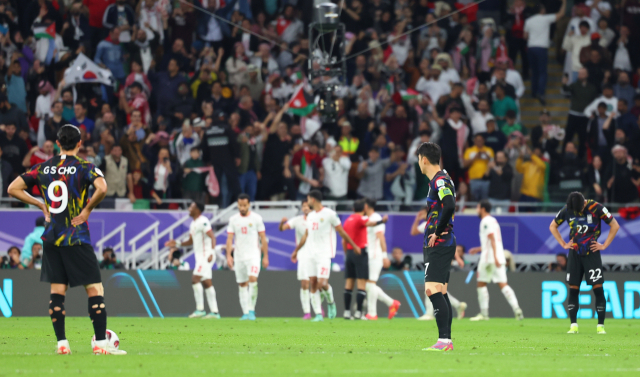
{"x":57,"y":314}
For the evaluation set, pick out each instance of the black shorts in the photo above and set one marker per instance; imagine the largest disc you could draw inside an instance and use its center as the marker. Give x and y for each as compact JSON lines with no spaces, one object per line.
{"x":356,"y":266}
{"x":589,"y":265}
{"x":70,"y":265}
{"x":437,"y":263}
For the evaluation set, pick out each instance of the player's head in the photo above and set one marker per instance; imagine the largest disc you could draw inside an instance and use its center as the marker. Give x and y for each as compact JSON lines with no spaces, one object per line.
{"x":314,"y":198}
{"x":244,"y":203}
{"x":429,"y":156}
{"x":358,"y":206}
{"x":483,"y":208}
{"x":304,"y":206}
{"x":196,"y":209}
{"x":69,"y":138}
{"x":460,"y":249}
{"x":576,"y":202}
{"x":369,"y":205}
{"x":108,"y":254}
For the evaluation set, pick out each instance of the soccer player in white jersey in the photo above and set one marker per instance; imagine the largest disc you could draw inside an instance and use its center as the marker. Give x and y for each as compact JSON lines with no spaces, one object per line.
{"x":418,"y":228}
{"x":204,"y":241}
{"x":378,"y":259}
{"x":322,"y":224}
{"x":492,"y":264}
{"x":250,"y":240}
{"x":299,"y":225}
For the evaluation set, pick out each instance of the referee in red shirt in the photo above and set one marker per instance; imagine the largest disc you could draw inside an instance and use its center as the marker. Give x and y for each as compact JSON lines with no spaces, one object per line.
{"x":356,"y":265}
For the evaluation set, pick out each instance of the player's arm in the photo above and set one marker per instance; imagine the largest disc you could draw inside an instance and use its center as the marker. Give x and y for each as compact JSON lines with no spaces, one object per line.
{"x":346,"y":237}
{"x":213,"y":238}
{"x":612,"y":234}
{"x":265,"y":249}
{"x":553,"y":228}
{"x":422,"y":215}
{"x":459,"y":260}
{"x":283,"y":224}
{"x":229,"y":248}
{"x":448,"y":208}
{"x":383,"y":246}
{"x":18,"y":188}
{"x":294,"y":255}
{"x":384,"y":220}
{"x":492,"y":239}
{"x":100,"y":185}
{"x":176,"y":243}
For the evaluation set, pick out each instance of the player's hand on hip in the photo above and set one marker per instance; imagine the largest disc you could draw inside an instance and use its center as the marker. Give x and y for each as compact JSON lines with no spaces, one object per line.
{"x":45,"y":212}
{"x":80,"y":219}
{"x":357,"y":250}
{"x":433,"y":238}
{"x":597,"y":246}
{"x":568,"y":245}
{"x":230,"y":262}
{"x":265,"y":262}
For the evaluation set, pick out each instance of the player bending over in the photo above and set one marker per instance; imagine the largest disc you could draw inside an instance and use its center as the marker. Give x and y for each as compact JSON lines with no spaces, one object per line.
{"x":68,"y":258}
{"x":299,"y":225}
{"x":322,"y":224}
{"x":377,"y":251}
{"x":204,"y":241}
{"x":585,"y":222}
{"x":492,"y":264}
{"x":248,"y":229}
{"x":419,"y":227}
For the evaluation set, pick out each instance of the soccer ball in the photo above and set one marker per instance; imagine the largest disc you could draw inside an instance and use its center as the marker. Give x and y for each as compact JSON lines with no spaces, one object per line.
{"x":112,"y":338}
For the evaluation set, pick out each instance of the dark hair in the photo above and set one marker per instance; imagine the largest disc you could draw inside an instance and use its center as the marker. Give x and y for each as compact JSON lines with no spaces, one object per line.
{"x":14,"y":247}
{"x":425,"y":133}
{"x":464,"y":249}
{"x":480,"y":135}
{"x":370,"y":202}
{"x":623,"y":101}
{"x":431,"y":151}
{"x":108,"y":249}
{"x":455,"y":109}
{"x":485,"y":204}
{"x":316,"y":194}
{"x":602,"y":104}
{"x":136,"y":84}
{"x":575,"y":202}
{"x":374,"y":149}
{"x":585,"y":24}
{"x":303,"y":202}
{"x":607,"y":86}
{"x":562,"y":255}
{"x":200,"y":205}
{"x":69,"y":137}
{"x":40,"y":221}
{"x":243,"y":197}
{"x":197,"y":149}
{"x":358,"y":205}
{"x":81,"y":103}
{"x":511,"y":114}
{"x":314,"y":143}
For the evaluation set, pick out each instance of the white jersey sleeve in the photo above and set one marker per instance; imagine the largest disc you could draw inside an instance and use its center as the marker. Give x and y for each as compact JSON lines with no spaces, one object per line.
{"x":489,"y":225}
{"x":246,"y":231}
{"x":422,"y":226}
{"x":299,"y":226}
{"x":201,"y":241}
{"x":374,"y":248}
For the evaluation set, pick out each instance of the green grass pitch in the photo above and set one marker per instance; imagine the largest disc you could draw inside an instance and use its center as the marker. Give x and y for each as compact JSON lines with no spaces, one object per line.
{"x":290,"y":346}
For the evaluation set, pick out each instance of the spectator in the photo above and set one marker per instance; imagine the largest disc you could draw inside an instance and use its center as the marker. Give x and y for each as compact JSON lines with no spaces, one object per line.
{"x":536,"y":31}
{"x":399,"y":261}
{"x":601,"y":133}
{"x":250,"y":143}
{"x":500,"y":175}
{"x":572,"y":169}
{"x":533,"y":169}
{"x":137,"y":100}
{"x":573,"y":44}
{"x":582,"y":93}
{"x":81,"y":119}
{"x":79,"y":31}
{"x":347,"y":142}
{"x":430,"y":84}
{"x":116,"y":168}
{"x":11,"y":114}
{"x":182,"y":106}
{"x":166,"y":86}
{"x":623,"y":90}
{"x":14,"y":148}
{"x":142,"y":50}
{"x":54,"y":122}
{"x":625,"y":121}
{"x":96,"y":14}
{"x":499,"y":78}
{"x":140,"y":188}
{"x":479,"y":118}
{"x":371,"y":175}
{"x":164,"y":175}
{"x":185,"y":141}
{"x":477,"y":159}
{"x":193,"y":182}
{"x":15,"y":86}
{"x":336,"y":174}
{"x":183,"y":23}
{"x":307,"y":166}
{"x":290,"y":29}
{"x":43,"y":109}
{"x":607,"y":97}
{"x":109,"y":55}
{"x":625,"y":56}
{"x":501,"y":105}
{"x":33,"y":238}
{"x":12,"y":259}
{"x":397,"y":124}
{"x":220,"y":150}
{"x":120,"y":15}
{"x":511,"y":125}
{"x":622,"y":186}
{"x":109,"y":261}
{"x":177,"y":53}
{"x":264,"y":62}
{"x":276,"y":169}
{"x":606,"y":34}
{"x":595,"y":179}
{"x":560,"y":265}
{"x":585,"y":53}
{"x":506,"y":75}
{"x":35,"y":257}
{"x":494,"y":138}
{"x":598,"y":70}
{"x":516,"y":40}
{"x":38,"y":155}
{"x":398,"y":178}
{"x":6,"y":175}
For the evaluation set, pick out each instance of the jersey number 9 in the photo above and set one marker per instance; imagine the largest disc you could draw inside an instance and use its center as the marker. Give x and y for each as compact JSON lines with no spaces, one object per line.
{"x":63,"y":198}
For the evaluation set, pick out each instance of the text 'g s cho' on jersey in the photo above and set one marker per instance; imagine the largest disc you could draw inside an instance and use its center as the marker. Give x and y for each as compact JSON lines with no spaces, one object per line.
{"x":440,"y":187}
{"x":585,"y":227}
{"x":64,"y":183}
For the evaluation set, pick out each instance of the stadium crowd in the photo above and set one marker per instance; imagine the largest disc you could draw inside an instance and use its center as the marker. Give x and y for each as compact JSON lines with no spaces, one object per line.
{"x":188,"y":92}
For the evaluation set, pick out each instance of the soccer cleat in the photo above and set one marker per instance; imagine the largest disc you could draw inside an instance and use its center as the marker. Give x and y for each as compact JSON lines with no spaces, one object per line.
{"x":332,"y":311}
{"x":347,"y":315}
{"x":573,"y":329}
{"x":440,"y":347}
{"x":461,"y":309}
{"x":252,"y":315}
{"x":245,"y":317}
{"x":307,"y":316}
{"x":212,"y":316}
{"x":519,"y":315}
{"x":426,"y":317}
{"x":198,"y":314}
{"x":371,"y":317}
{"x":600,"y":330}
{"x":479,"y":317}
{"x":63,"y":348}
{"x":108,"y":349}
{"x":393,"y":309}
{"x":318,"y":318}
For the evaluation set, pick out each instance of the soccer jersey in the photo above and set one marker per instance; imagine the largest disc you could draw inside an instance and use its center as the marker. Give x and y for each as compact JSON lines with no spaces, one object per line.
{"x":246,"y":230}
{"x":64,"y":183}
{"x":489,"y":225}
{"x":585,"y":226}
{"x":299,"y":226}
{"x":356,"y":227}
{"x":439,"y":187}
{"x":201,"y":241}
{"x":321,"y":241}
{"x":374,"y":248}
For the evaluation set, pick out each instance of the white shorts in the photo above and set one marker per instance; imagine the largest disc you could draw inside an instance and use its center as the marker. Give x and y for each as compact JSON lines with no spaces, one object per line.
{"x":489,"y":273}
{"x":246,"y":268}
{"x":203,"y":267}
{"x":375,"y":267}
{"x":319,"y":267}
{"x":303,"y":268}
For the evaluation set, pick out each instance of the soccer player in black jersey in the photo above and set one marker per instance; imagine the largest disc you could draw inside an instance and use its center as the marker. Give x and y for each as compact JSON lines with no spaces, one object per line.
{"x":439,"y":241}
{"x":68,"y":259}
{"x":585,"y":222}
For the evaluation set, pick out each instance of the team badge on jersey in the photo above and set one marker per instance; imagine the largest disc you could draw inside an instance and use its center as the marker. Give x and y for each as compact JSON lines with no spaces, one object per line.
{"x":589,"y":219}
{"x":440,"y":183}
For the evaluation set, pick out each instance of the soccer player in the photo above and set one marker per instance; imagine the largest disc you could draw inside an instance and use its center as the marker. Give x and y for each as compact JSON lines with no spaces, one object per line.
{"x":204,"y":241}
{"x":250,"y":239}
{"x":322,"y":224}
{"x":377,"y":251}
{"x":419,"y":227}
{"x":492,"y":265}
{"x":68,"y":259}
{"x":585,"y":222}
{"x":299,"y":225}
{"x":439,"y":241}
